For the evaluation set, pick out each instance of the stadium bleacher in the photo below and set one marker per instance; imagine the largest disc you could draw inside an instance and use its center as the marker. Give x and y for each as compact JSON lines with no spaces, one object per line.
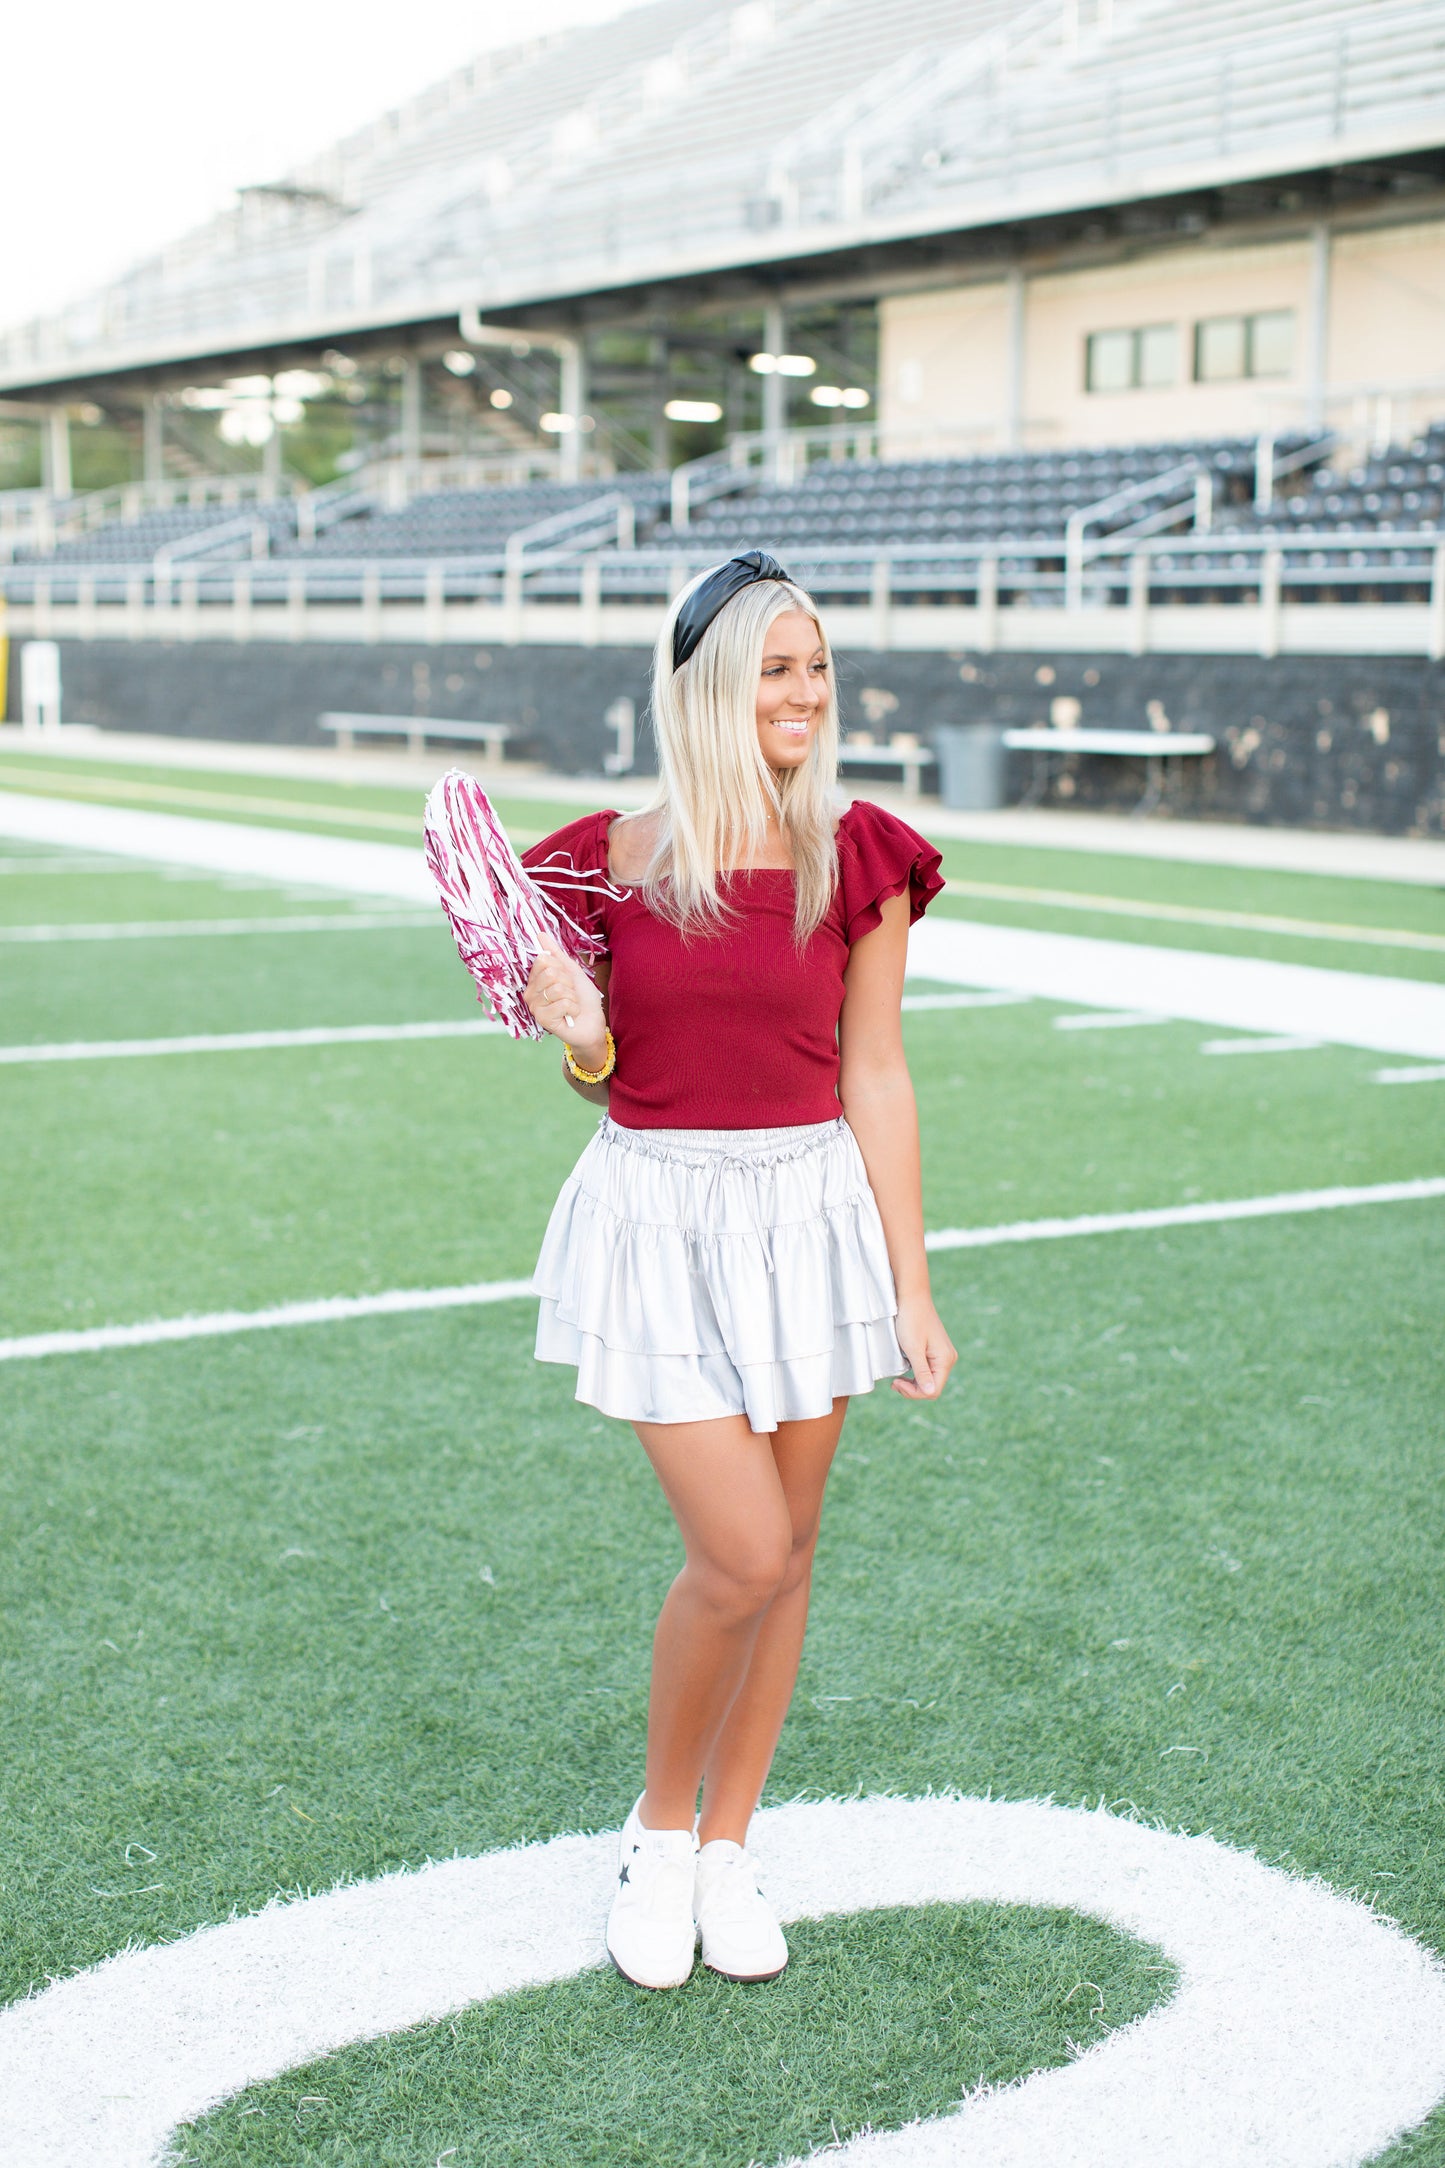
{"x":471,"y":522}
{"x":934,"y":516}
{"x":137,"y":540}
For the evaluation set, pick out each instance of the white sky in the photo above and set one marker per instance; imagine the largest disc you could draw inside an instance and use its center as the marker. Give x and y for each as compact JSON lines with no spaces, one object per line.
{"x":128,"y":121}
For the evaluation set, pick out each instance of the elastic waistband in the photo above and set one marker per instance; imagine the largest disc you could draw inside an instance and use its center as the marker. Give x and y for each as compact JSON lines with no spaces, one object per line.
{"x":753,"y":1147}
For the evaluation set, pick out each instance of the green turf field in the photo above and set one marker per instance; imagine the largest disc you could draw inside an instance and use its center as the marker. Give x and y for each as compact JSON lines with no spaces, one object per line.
{"x":311,"y":1604}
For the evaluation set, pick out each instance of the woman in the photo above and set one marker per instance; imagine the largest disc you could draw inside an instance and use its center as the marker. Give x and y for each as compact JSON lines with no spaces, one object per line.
{"x":740,"y":1247}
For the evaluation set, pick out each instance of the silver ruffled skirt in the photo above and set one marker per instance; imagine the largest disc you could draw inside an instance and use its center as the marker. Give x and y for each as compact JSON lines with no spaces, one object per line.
{"x":693,"y":1273}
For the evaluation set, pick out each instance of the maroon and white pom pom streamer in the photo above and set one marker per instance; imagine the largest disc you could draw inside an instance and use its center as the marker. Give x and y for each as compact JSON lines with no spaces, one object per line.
{"x":499,"y":912}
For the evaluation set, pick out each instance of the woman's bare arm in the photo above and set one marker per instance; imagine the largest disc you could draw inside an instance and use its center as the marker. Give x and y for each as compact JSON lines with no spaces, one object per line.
{"x":558,"y":989}
{"x":878,"y":1105}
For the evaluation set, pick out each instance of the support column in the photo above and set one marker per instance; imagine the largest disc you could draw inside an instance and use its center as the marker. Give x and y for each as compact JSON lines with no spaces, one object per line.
{"x":271,"y":460}
{"x":55,"y":448}
{"x":1317,"y":355}
{"x":1015,"y":356}
{"x":153,"y":465}
{"x":571,"y":399}
{"x":775,"y":387}
{"x":411,"y":416}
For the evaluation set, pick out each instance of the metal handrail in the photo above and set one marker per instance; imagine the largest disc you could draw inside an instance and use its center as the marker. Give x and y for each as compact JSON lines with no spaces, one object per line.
{"x":1119,"y":500}
{"x":1011,"y":554}
{"x":206,"y":539}
{"x":617,"y":512}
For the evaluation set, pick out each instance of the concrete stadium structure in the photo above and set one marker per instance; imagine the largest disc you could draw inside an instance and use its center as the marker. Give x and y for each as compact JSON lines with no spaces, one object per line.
{"x":1113,"y":351}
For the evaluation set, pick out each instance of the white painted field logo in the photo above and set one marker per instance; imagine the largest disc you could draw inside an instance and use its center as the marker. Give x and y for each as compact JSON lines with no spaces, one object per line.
{"x":1305,"y":2032}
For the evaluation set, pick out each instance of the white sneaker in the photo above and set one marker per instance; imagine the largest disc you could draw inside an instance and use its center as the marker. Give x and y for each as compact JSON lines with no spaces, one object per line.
{"x":740,"y":1937}
{"x":651,"y":1936}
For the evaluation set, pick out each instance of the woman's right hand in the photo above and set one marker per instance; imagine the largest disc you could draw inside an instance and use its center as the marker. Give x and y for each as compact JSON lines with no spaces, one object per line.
{"x":564,"y":1001}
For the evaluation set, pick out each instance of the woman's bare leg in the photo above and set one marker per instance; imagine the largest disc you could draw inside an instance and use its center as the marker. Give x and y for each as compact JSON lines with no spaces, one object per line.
{"x":726,"y":1649}
{"x":742,"y":1754}
{"x":727,"y":1495}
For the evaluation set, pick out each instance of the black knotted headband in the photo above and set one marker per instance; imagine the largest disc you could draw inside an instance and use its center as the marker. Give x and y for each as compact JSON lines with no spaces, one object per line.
{"x":703,"y":604}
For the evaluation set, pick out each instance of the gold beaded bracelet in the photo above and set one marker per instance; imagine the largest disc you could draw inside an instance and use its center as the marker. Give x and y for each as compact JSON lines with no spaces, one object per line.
{"x":592,"y":1076}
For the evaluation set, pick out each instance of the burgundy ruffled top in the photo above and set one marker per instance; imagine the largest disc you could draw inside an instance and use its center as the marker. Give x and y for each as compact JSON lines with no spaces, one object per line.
{"x":737,"y":1029}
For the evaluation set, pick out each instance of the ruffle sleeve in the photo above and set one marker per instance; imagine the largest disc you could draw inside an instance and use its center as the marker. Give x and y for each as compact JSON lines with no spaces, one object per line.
{"x":880,"y":856}
{"x":581,"y":847}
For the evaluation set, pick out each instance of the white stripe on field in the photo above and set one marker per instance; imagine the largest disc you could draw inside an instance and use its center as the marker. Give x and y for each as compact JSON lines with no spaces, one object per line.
{"x":1261,"y":1046}
{"x":337,"y":1309}
{"x":1249,"y":2058}
{"x":276,"y":854}
{"x":1109,"y":1020}
{"x":165,"y":929}
{"x":246,"y":1042}
{"x":73,"y":863}
{"x":1411,"y":1076}
{"x":218,"y":1324}
{"x":1182,"y":1215}
{"x":963,"y":1001}
{"x":1192,"y":914}
{"x":1236,"y":993}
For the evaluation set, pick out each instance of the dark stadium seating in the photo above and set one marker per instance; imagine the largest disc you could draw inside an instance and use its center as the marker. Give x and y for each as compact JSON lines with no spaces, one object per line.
{"x":472,"y":522}
{"x":135,"y":541}
{"x":840,"y":511}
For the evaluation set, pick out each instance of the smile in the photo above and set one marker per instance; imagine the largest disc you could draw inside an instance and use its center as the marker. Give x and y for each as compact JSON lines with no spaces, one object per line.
{"x":797,"y":730}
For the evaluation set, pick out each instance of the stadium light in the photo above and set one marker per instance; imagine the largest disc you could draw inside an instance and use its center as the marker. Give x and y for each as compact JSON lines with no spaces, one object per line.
{"x":300,"y":384}
{"x":246,"y":425}
{"x":459,"y":362}
{"x":857,"y":397}
{"x":557,"y":425}
{"x":829,"y":395}
{"x":693,"y":410}
{"x":501,"y":397}
{"x":782,"y":364}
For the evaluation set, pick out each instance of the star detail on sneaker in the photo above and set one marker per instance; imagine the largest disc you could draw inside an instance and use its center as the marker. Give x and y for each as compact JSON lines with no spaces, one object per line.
{"x":624,"y":1876}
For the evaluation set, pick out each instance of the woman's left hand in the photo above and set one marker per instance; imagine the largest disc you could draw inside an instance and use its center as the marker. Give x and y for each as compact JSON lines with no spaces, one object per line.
{"x":930,"y":1352}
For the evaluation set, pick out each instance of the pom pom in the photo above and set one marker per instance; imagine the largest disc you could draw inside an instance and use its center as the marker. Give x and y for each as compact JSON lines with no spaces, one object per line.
{"x":499,"y":913}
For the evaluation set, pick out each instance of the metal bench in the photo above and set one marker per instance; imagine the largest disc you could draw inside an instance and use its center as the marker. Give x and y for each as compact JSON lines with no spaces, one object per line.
{"x":416,"y":729}
{"x":909,"y":759}
{"x":1156,"y":748}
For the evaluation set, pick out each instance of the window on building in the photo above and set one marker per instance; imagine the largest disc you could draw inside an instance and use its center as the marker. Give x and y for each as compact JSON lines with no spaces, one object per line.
{"x":1227,"y":348}
{"x":1131,"y":360}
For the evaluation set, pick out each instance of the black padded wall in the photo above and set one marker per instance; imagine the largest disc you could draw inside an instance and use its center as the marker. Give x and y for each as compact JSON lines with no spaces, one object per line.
{"x":1354,"y":741}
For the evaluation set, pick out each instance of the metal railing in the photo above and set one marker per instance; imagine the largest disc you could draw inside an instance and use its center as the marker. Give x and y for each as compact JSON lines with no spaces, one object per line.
{"x":1079,"y":547}
{"x":1126,"y":579}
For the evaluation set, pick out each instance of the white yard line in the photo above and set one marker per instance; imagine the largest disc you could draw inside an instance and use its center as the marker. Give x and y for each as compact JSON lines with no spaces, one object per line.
{"x":168,"y":929}
{"x":1417,"y":861}
{"x":1109,"y":1020}
{"x":1304,"y":2030}
{"x":1197,"y":914}
{"x":250,"y":1042}
{"x":337,"y":1309}
{"x":331,"y":1310}
{"x":1185,"y":1215}
{"x":1411,"y":1076}
{"x":246,"y":1042}
{"x":73,"y":862}
{"x":963,"y":1001}
{"x":1240,"y":993}
{"x":1261,"y":1046}
{"x":289,"y":855}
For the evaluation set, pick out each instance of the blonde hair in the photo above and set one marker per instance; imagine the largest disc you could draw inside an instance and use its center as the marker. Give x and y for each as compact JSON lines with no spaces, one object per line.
{"x":715,"y":789}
